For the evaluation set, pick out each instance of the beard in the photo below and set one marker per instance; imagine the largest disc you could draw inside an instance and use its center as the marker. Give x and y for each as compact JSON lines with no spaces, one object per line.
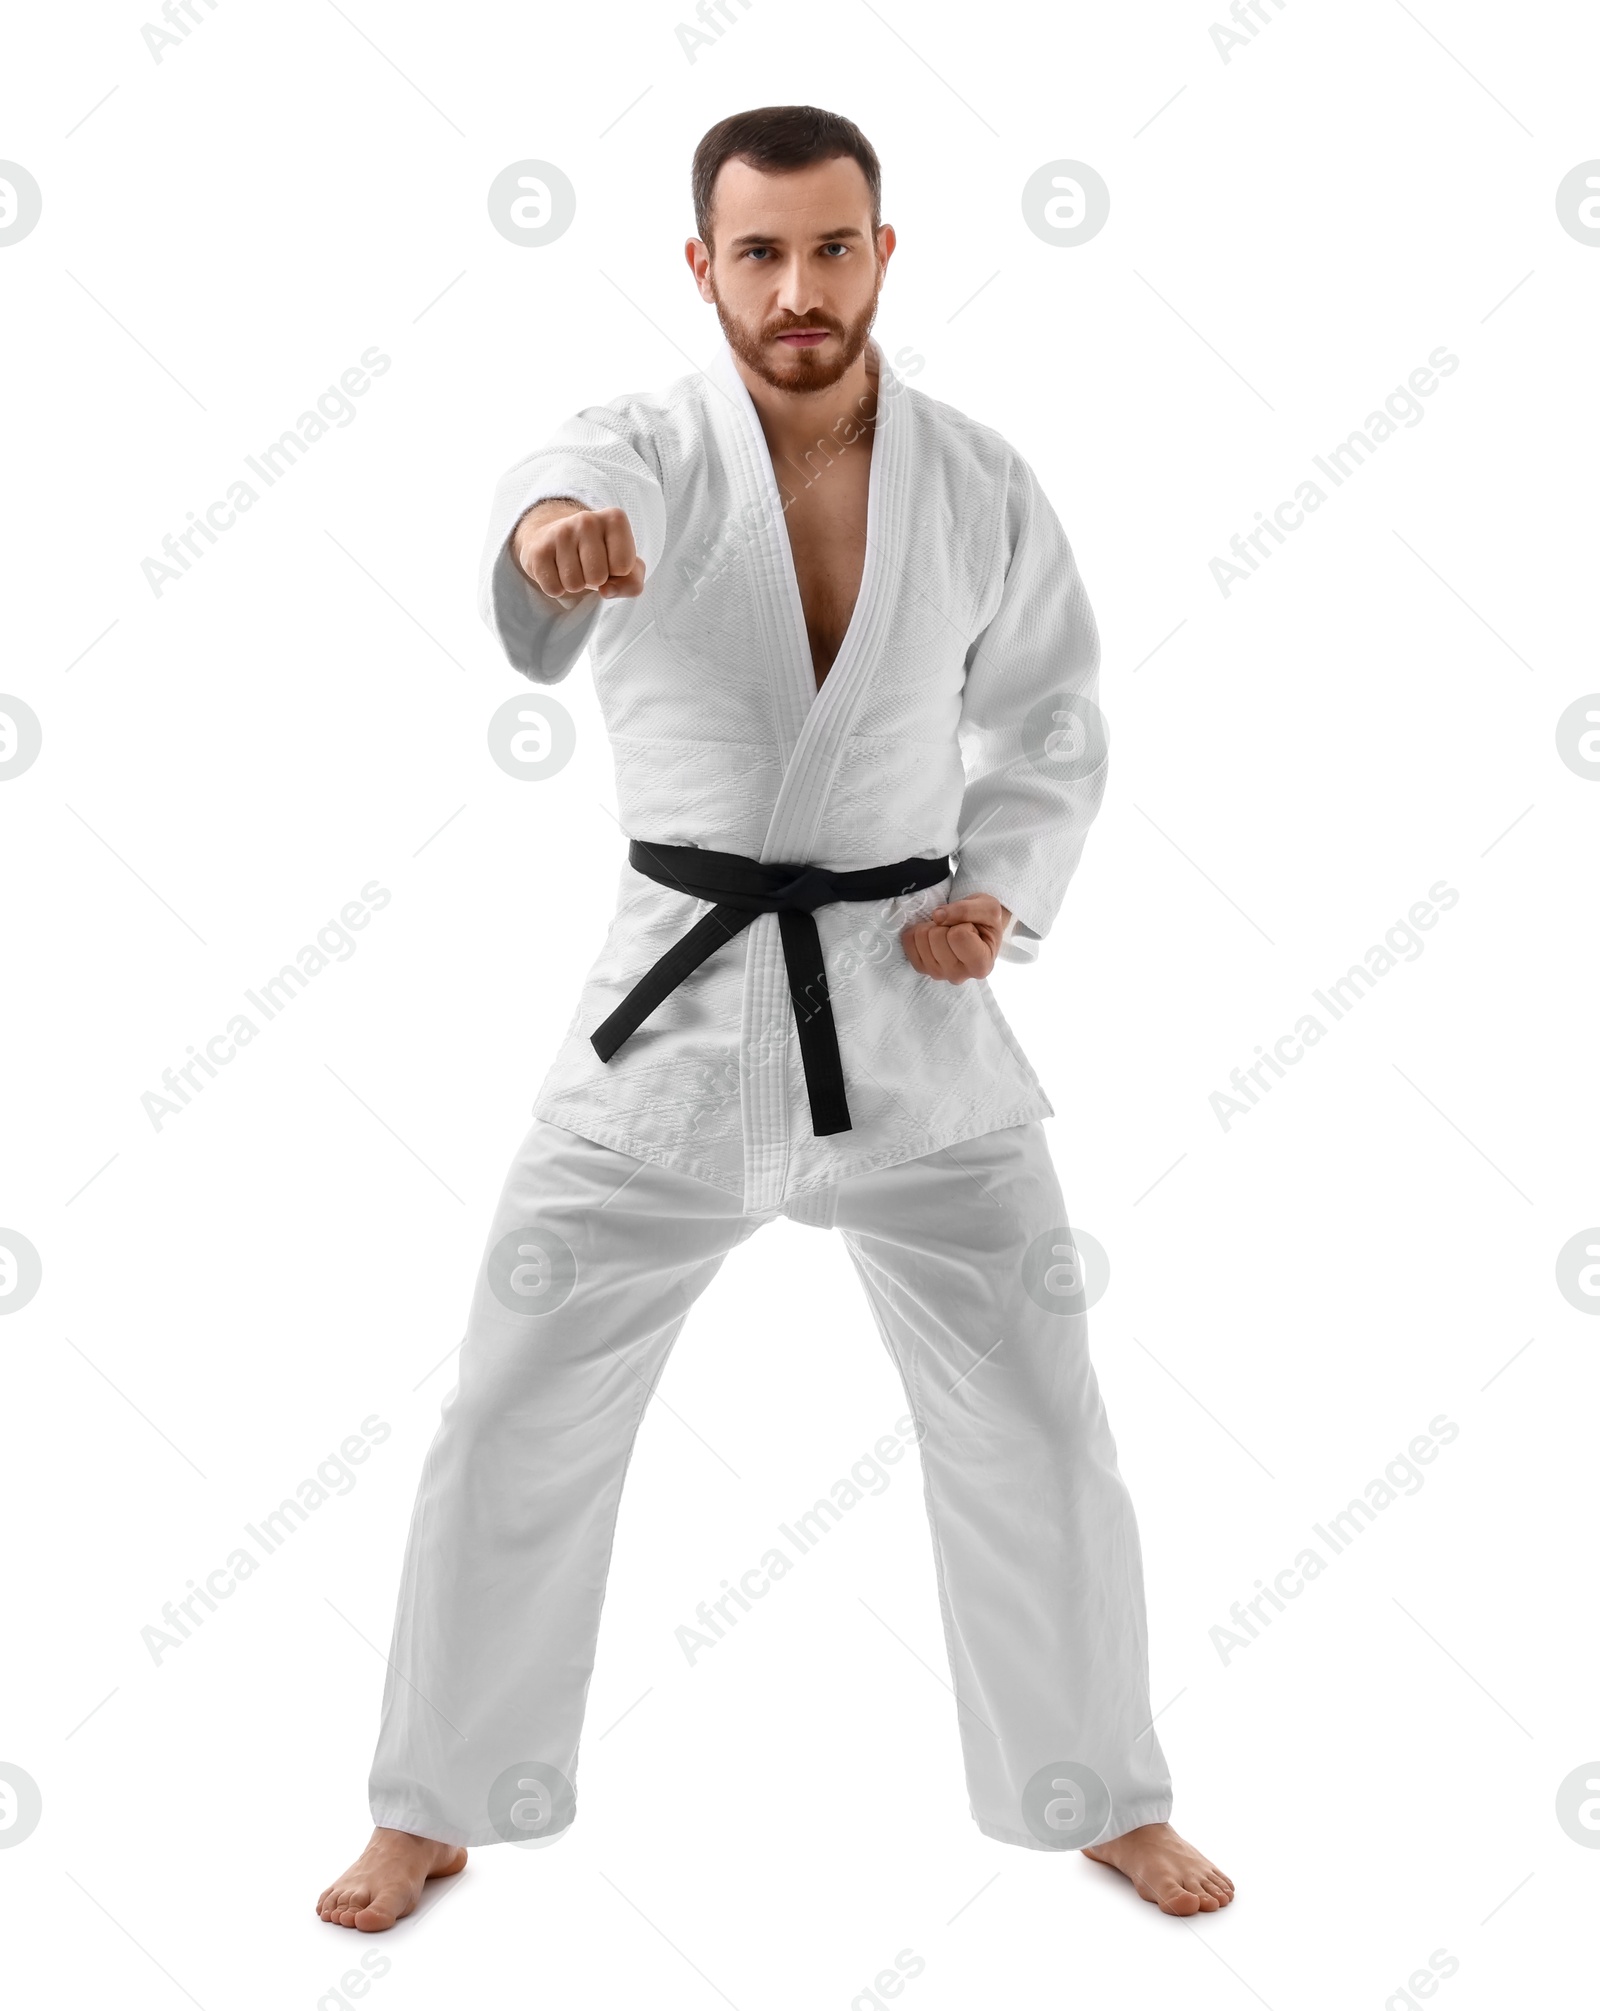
{"x":798,"y":369}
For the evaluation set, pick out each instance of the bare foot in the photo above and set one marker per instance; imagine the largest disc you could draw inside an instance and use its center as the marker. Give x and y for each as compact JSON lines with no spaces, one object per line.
{"x":1165,"y":1869}
{"x":386,"y":1880}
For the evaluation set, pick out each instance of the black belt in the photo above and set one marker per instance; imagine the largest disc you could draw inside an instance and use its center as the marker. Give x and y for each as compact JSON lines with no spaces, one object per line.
{"x":742,"y":889}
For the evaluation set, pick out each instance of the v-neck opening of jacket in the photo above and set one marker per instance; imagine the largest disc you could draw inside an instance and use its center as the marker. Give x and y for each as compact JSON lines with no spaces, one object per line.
{"x":823,"y":700}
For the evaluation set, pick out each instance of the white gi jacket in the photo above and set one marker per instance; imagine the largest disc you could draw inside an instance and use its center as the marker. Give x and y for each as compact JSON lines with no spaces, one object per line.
{"x":958,"y":717}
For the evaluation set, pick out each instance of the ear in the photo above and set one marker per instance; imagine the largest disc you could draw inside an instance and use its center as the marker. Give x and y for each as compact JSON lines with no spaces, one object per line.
{"x":699,"y":261}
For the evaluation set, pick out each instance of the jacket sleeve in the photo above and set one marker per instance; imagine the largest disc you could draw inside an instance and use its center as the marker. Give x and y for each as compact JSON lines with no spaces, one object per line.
{"x":1033,"y":740}
{"x":600,"y":460}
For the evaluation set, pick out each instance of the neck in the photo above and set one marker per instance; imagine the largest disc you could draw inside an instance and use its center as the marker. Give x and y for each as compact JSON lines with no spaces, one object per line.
{"x":796,"y":422}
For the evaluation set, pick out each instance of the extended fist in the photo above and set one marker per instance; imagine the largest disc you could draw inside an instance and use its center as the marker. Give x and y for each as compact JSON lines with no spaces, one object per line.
{"x":959,"y":940}
{"x":579,"y":552}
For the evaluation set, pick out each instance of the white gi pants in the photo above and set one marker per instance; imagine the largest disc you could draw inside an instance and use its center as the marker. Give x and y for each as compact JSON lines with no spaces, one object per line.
{"x":592,"y":1264}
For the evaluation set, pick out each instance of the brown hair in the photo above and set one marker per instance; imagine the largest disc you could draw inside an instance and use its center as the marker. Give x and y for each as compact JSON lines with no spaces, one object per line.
{"x":776,"y":138}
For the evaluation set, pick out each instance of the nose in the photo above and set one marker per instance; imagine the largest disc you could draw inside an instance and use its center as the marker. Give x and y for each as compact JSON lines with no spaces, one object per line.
{"x":797,"y":290}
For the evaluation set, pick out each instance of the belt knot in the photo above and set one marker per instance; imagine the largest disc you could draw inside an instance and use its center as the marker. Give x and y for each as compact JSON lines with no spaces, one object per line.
{"x":809,"y":888}
{"x":743,"y":888}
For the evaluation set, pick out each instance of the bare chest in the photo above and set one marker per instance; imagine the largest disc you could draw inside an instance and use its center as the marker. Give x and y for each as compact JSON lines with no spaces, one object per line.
{"x":827,"y":525}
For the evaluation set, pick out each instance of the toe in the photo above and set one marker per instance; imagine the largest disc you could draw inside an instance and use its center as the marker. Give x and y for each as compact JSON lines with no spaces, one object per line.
{"x":381,"y":1908}
{"x":329,"y":1894}
{"x":1175,"y":1898}
{"x":346,"y":1901}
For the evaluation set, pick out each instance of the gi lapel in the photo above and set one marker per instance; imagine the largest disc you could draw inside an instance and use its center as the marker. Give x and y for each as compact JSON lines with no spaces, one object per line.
{"x":814,"y":725}
{"x":779,"y":648}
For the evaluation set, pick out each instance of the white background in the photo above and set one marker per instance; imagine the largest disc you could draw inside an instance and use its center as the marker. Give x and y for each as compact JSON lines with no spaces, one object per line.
{"x":1292,"y":1300}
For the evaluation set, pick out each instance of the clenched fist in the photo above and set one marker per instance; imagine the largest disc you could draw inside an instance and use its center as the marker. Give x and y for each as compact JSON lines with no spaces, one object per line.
{"x":959,"y":940}
{"x":568,"y":551}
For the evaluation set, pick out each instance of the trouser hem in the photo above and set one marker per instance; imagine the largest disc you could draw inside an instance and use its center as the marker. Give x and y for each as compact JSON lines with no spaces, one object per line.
{"x":396,"y":1815}
{"x":1158,"y":1810}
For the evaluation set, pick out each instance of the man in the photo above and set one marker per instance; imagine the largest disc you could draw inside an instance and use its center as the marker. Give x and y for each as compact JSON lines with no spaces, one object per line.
{"x":837,"y":634}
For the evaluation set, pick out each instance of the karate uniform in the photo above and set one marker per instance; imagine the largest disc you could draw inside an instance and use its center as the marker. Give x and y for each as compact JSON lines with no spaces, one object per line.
{"x":958,"y":717}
